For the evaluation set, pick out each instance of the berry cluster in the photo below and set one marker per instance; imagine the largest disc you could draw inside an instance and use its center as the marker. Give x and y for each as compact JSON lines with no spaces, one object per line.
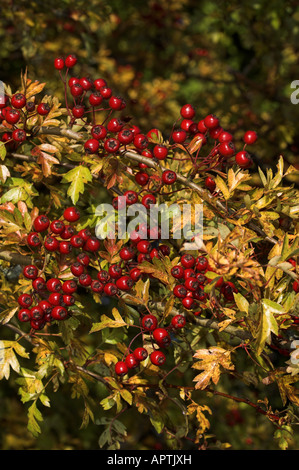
{"x":14,"y":112}
{"x":159,"y":338}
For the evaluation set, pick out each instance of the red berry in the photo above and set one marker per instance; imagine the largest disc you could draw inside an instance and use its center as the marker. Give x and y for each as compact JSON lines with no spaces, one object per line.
{"x":210,"y":184}
{"x":68,"y":300}
{"x":179,"y":136}
{"x":201,"y":126}
{"x":65,"y":247}
{"x":67,"y":232}
{"x":115,"y":271}
{"x":99,"y":83}
{"x":188,"y":302}
{"x":98,"y":132}
{"x":95,"y":99}
{"x":157,"y":358}
{"x":30,"y":271}
{"x":121,"y":368}
{"x":135,"y":274}
{"x":86,"y":83}
{"x":225,"y":137}
{"x":18,"y":100}
{"x":144,"y":246}
{"x":78,"y":111}
{"x":111,"y":145}
{"x":71,"y":214}
{"x":54,"y":285}
{"x":187,"y":111}
{"x":160,"y":152}
{"x":58,"y":63}
{"x":147,"y":200}
{"x":140,"y":354}
{"x":125,"y":136}
{"x":83,"y":258}
{"x":70,"y":61}
{"x":12,"y":116}
{"x":57,"y":227}
{"x":115,"y":125}
{"x":77,"y":269}
{"x":59,"y":313}
{"x":126,"y":253}
{"x":55,"y":298}
{"x":91,"y":146}
{"x":73,"y":81}
{"x":106,"y":92}
{"x":178,"y":321}
{"x":177,"y":272}
{"x":38,"y":284}
{"x":250,"y":137}
{"x":92,"y":244}
{"x":141,"y":178}
{"x":191,"y":284}
{"x":103,"y":276}
{"x":97,"y":286}
{"x":110,"y":289}
{"x":25,"y":300}
{"x":43,"y":109}
{"x":180,"y":291}
{"x":76,"y":241}
{"x":140,"y":141}
{"x":85,"y":280}
{"x":131,"y":197}
{"x":69,"y":287}
{"x":169,"y":177}
{"x":188,"y":261}
{"x":36,"y":313}
{"x":33,"y":240}
{"x":211,"y":121}
{"x":124,"y":283}
{"x":41,"y":223}
{"x":296,"y":286}
{"x":243,"y":159}
{"x":149,"y":322}
{"x":228,"y":289}
{"x":226,"y":149}
{"x":162,"y":337}
{"x":116,"y":102}
{"x":24,"y":315}
{"x":131,"y":361}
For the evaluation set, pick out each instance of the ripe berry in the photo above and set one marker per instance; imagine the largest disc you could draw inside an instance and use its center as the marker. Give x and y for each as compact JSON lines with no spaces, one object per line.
{"x":36,"y":313}
{"x":157,"y":358}
{"x":45,"y":306}
{"x":188,"y":261}
{"x":12,"y":116}
{"x":135,"y":274}
{"x":69,"y":287}
{"x":177,"y":272}
{"x":140,"y":354}
{"x":91,"y":146}
{"x":19,"y":135}
{"x":124,"y":283}
{"x":78,"y":111}
{"x":98,"y":132}
{"x":55,"y":298}
{"x":210,"y":184}
{"x":38,"y":284}
{"x":68,"y":300}
{"x":59,"y":313}
{"x":65,"y":247}
{"x":149,"y":322}
{"x":76,"y":241}
{"x":115,"y":271}
{"x":140,"y":141}
{"x":178,"y":321}
{"x":111,"y":145}
{"x":211,"y":121}
{"x":86,"y":83}
{"x":188,"y":302}
{"x":30,"y":271}
{"x":83,"y":258}
{"x":97,"y":286}
{"x":71,"y":214}
{"x":85,"y":233}
{"x":77,"y":269}
{"x":41,"y":223}
{"x":25,"y":300}
{"x":106,"y":92}
{"x":37,"y":324}
{"x":186,"y":124}
{"x":225,"y":137}
{"x":125,"y":136}
{"x":67,"y":232}
{"x":92,"y":244}
{"x":179,"y":136}
{"x":24,"y":315}
{"x":226,"y":149}
{"x":126,"y":253}
{"x":131,"y":197}
{"x":85,"y":280}
{"x":180,"y":291}
{"x":131,"y":361}
{"x":116,"y":102}
{"x":243,"y":159}
{"x":54,"y":285}
{"x":187,"y":111}
{"x":103,"y":276}
{"x":296,"y":286}
{"x":98,"y":83}
{"x":162,"y":338}
{"x":228,"y":289}
{"x":110,"y":289}
{"x":33,"y":240}
{"x":147,"y":200}
{"x":141,"y":178}
{"x":201,"y":126}
{"x":58,"y":63}
{"x":121,"y":368}
{"x":169,"y":177}
{"x":201,"y":263}
{"x":115,"y":125}
{"x":215,"y":132}
{"x":250,"y":137}
{"x":144,"y":246}
{"x":70,"y":61}
{"x":160,"y":152}
{"x":18,"y":101}
{"x":43,"y":109}
{"x":192,"y":284}
{"x":51,"y":244}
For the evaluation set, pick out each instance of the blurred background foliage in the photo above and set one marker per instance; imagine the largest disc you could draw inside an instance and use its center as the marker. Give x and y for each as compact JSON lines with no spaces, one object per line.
{"x":234,"y":59}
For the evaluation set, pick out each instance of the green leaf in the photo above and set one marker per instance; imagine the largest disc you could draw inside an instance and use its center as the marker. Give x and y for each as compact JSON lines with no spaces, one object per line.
{"x":34,"y":415}
{"x":268,"y":323}
{"x":241,"y":302}
{"x":107,"y":322}
{"x":2,"y":151}
{"x":78,"y":177}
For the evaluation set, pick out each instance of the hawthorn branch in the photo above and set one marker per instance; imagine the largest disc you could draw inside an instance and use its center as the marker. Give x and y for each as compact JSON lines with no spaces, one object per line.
{"x":16,"y":258}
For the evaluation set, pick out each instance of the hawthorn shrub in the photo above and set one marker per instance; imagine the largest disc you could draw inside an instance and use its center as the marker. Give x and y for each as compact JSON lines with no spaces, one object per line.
{"x":144,"y":323}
